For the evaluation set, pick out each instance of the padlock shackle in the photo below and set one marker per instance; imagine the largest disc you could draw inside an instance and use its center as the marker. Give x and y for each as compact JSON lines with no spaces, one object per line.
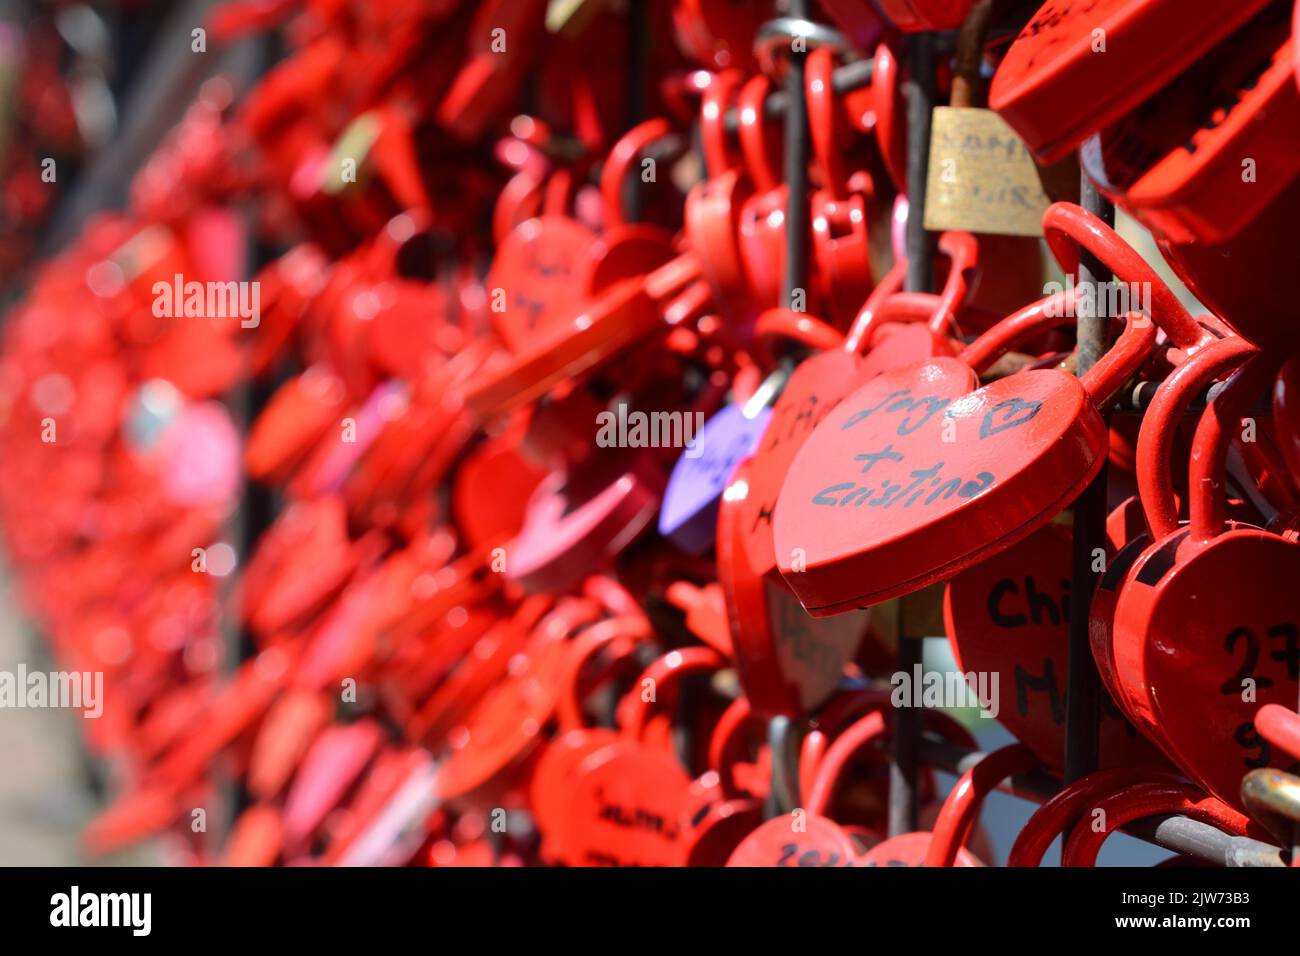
{"x":557,"y":194}
{"x":1113,"y":369}
{"x":857,"y":736}
{"x":665,"y":673}
{"x":962,"y":250}
{"x":754,"y":131}
{"x":908,"y":307}
{"x":961,"y":808}
{"x":890,"y":123}
{"x":518,"y":200}
{"x":620,"y":162}
{"x":1207,"y":478}
{"x":725,"y":740}
{"x":1068,"y":227}
{"x":825,"y":770}
{"x":1033,"y":320}
{"x":839,"y":709}
{"x":613,"y":596}
{"x":1063,"y":808}
{"x":823,"y":119}
{"x":719,"y":157}
{"x":621,"y":635}
{"x":1160,"y":428}
{"x":1145,"y":800}
{"x":774,"y":325}
{"x":865,"y":323}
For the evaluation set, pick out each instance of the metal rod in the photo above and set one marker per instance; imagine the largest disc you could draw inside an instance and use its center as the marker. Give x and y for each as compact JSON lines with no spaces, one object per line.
{"x":1083,"y":685}
{"x":795,"y":279}
{"x":1177,"y":833}
{"x":919,"y":90}
{"x":904,"y":765}
{"x":1143,"y":393}
{"x":637,"y":41}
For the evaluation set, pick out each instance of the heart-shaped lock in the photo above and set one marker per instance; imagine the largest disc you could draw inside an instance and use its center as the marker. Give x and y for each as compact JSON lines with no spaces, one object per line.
{"x":612,"y":644}
{"x":579,"y":519}
{"x":507,"y":722}
{"x":534,"y":273}
{"x":1010,"y":616}
{"x":820,"y":381}
{"x":787,"y":662}
{"x":1038,"y":87}
{"x":627,"y":249}
{"x":840,"y":242}
{"x":712,"y":215}
{"x":928,"y":497}
{"x":762,"y":217}
{"x":491,"y":490}
{"x":632,"y":804}
{"x":933,"y":453}
{"x":1176,"y":165}
{"x":689,"y":513}
{"x":1156,"y":501}
{"x":1173,"y":643}
{"x":1189,"y":190}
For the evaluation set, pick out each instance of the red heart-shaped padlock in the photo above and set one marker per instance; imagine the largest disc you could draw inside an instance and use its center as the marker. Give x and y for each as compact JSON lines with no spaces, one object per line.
{"x":1190,"y":658}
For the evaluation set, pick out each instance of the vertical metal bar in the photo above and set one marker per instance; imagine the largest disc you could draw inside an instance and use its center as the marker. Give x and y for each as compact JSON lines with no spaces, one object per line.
{"x":257,"y":504}
{"x":785,"y":783}
{"x":919,"y":91}
{"x":904,"y":804}
{"x":1083,"y":686}
{"x":796,"y":173}
{"x":637,"y":54}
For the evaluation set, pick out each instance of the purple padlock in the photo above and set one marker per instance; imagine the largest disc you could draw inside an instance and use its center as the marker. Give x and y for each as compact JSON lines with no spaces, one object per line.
{"x":689,"y":513}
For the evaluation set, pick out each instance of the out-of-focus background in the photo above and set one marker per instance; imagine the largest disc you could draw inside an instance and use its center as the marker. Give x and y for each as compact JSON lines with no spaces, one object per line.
{"x":94,"y":87}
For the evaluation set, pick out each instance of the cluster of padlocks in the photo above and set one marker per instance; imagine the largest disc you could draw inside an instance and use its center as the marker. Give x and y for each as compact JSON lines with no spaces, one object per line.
{"x":520,"y":432}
